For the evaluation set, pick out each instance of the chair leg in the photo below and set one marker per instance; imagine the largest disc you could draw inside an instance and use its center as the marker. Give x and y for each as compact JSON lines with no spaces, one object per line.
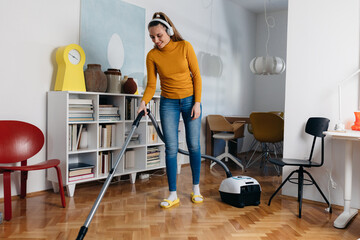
{"x":318,"y":188}
{"x":220,"y":157}
{"x":226,"y":150}
{"x":300,"y":188}
{"x":61,"y":187}
{"x":282,"y":184}
{"x":7,"y":196}
{"x":213,"y":163}
{"x":251,"y":161}
{"x":24,"y":177}
{"x":236,"y":161}
{"x":267,"y":153}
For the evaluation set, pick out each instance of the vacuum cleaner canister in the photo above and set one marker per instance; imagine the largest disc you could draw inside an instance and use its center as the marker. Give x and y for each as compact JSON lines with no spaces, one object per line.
{"x":240,"y":191}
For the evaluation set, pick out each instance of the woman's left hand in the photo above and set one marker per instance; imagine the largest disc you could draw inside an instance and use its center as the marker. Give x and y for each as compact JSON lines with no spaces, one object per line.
{"x":196,"y":111}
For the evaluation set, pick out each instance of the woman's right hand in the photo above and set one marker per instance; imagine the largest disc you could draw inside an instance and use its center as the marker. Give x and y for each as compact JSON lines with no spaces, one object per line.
{"x":142,"y":107}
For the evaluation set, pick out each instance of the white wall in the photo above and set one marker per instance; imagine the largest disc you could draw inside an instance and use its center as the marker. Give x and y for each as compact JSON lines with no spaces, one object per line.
{"x":322,"y":49}
{"x":221,"y":28}
{"x":269,"y":90}
{"x":30,"y":33}
{"x":32,"y":30}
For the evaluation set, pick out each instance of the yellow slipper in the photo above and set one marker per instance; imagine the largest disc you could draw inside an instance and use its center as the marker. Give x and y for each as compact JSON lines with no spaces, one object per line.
{"x":193,"y":198}
{"x":171,"y":203}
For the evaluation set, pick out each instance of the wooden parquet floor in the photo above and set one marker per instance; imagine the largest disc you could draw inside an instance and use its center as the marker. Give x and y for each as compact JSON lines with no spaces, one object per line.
{"x":131,"y":211}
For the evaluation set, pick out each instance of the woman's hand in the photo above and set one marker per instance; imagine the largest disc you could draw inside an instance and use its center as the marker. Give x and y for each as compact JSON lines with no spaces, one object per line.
{"x":142,"y":107}
{"x":196,"y":111}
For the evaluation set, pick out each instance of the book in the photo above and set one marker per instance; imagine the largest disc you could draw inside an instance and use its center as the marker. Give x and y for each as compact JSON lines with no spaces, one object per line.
{"x":129,"y":159}
{"x":80,"y":172}
{"x":108,"y":135}
{"x":109,"y":117}
{"x":134,"y":137}
{"x":74,"y":136}
{"x":154,"y":154}
{"x":81,"y":177}
{"x":153,"y":163}
{"x":79,"y":168}
{"x":79,"y":119}
{"x":131,"y":105}
{"x":80,"y":115}
{"x":109,"y":110}
{"x":104,"y":163}
{"x":153,"y":149}
{"x":79,"y":165}
{"x":77,"y":108}
{"x":99,"y":164}
{"x":152,"y":137}
{"x":80,"y":106}
{"x":80,"y":101}
{"x":103,"y":137}
{"x":79,"y":136}
{"x":109,"y":113}
{"x":113,"y":135}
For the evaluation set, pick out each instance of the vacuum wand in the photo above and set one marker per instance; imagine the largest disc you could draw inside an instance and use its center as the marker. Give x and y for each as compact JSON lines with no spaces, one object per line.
{"x":83,"y":230}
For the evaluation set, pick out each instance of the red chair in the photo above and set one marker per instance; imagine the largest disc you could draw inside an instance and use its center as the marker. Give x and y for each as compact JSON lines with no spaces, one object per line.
{"x":20,"y":141}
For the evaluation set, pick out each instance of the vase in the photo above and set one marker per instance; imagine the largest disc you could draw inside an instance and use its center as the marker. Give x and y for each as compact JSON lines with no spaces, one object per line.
{"x":95,"y":79}
{"x":130,"y":86}
{"x":356,"y":126}
{"x":113,"y":80}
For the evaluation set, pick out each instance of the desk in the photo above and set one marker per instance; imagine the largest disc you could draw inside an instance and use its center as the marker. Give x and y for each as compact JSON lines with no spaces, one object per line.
{"x":349,"y":136}
{"x":210,"y":140}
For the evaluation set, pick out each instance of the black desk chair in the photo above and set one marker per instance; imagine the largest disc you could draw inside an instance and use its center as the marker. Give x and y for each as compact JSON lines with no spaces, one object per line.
{"x":315,"y":126}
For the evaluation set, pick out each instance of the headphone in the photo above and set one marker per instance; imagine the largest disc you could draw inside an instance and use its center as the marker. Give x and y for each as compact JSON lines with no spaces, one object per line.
{"x":169,"y":29}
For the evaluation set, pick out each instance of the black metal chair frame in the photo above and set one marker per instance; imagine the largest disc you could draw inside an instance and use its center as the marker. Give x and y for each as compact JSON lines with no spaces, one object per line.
{"x":315,"y":127}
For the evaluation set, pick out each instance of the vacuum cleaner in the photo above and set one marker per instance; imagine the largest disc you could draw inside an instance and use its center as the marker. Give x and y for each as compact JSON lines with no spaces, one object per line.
{"x":238,"y":191}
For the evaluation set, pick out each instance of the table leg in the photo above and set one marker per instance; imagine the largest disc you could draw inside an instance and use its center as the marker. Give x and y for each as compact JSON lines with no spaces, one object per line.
{"x":343,"y":219}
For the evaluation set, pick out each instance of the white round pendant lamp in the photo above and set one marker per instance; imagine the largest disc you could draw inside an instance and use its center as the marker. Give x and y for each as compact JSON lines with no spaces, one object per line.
{"x":268,"y":65}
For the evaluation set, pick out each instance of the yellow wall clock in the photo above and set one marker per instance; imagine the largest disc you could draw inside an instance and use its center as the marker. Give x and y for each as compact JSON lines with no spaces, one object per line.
{"x":70,"y":74}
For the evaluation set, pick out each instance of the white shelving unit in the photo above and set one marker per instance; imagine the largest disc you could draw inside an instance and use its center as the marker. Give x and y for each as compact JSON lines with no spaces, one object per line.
{"x":58,"y":137}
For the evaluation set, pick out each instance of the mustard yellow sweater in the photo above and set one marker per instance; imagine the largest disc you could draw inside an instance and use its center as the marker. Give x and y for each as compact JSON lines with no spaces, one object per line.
{"x":178,"y":69}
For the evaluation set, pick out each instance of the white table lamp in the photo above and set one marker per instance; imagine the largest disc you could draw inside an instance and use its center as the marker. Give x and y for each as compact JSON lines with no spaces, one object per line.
{"x":340,"y":126}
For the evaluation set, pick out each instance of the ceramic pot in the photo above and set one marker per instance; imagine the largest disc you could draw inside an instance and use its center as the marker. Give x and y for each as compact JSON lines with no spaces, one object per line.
{"x":113,"y":80}
{"x":95,"y":79}
{"x":130,"y":86}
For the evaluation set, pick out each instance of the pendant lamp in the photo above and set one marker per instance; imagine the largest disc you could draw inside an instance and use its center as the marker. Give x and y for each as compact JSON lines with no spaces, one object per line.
{"x":267,"y":65}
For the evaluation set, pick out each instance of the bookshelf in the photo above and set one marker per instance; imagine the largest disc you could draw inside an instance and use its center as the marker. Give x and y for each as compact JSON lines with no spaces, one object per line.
{"x":89,"y":128}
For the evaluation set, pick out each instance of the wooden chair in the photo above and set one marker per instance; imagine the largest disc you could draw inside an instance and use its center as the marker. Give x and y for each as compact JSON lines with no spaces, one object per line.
{"x":268,"y":129}
{"x":20,"y":141}
{"x":226,"y":131}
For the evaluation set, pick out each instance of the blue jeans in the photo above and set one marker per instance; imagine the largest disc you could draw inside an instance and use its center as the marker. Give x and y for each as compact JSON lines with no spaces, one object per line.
{"x":170,"y":110}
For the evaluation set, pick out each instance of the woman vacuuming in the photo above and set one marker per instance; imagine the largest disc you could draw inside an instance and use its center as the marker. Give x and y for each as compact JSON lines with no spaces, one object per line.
{"x":174,"y":60}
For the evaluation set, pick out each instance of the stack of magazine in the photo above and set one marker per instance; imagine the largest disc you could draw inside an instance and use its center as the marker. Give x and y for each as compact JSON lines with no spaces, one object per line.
{"x":108,"y":113}
{"x":80,"y":110}
{"x":80,"y":171}
{"x":135,"y":138}
{"x":153,"y":157}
